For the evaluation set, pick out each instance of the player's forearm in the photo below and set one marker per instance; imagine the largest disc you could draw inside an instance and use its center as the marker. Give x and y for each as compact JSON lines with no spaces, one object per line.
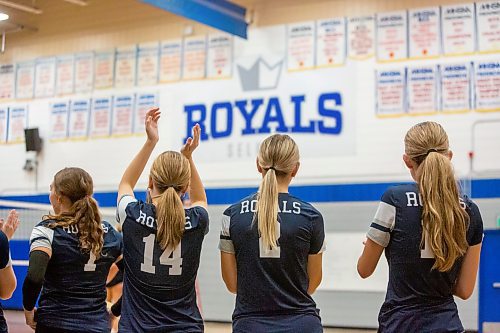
{"x":136,"y":167}
{"x":34,"y":278}
{"x":197,"y":192}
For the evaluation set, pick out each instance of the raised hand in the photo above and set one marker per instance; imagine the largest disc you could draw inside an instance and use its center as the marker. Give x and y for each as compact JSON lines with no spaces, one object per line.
{"x":192,"y":142}
{"x":10,"y":227}
{"x":151,"y":124}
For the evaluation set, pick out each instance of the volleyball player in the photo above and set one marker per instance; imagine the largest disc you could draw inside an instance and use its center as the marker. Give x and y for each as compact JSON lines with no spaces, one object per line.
{"x":7,"y":277}
{"x":432,"y":238}
{"x":162,"y":240}
{"x":271,"y":247}
{"x":70,"y":255}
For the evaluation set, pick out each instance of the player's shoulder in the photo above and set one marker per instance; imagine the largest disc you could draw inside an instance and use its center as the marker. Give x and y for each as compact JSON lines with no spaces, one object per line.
{"x":399,"y":193}
{"x":303,"y":207}
{"x":47,"y":223}
{"x":4,"y":241}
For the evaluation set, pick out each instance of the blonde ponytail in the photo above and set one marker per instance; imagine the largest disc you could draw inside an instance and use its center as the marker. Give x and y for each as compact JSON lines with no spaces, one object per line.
{"x":171,"y":219}
{"x":444,"y":221}
{"x":267,"y":209}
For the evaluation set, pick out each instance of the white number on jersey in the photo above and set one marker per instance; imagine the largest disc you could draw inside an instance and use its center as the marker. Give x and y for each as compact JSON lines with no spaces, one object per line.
{"x":426,"y":252}
{"x":170,"y":257}
{"x":90,"y":265}
{"x":268,"y":252}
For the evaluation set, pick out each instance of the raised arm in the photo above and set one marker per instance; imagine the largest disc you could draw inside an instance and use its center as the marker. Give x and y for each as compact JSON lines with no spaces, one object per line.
{"x":197,"y":192}
{"x":136,"y":167}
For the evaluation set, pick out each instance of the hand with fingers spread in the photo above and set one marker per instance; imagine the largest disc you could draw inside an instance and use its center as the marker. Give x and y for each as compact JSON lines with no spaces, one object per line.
{"x":9,"y":227}
{"x":192,"y":142}
{"x":151,"y":124}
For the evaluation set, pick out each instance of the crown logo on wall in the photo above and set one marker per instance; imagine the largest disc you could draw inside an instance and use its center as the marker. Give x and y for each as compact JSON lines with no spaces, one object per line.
{"x":260,"y":76}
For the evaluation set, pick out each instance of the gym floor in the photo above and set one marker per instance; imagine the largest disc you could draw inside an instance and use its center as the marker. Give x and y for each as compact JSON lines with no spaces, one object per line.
{"x":15,"y":320}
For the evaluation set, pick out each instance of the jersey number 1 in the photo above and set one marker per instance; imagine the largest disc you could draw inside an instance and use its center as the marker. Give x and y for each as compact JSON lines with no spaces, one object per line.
{"x":265,"y":252}
{"x":426,"y":252}
{"x":170,"y":257}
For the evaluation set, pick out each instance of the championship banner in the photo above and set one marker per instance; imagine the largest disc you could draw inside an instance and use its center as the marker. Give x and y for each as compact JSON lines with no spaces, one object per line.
{"x":4,"y":114}
{"x":65,"y":75}
{"x":25,"y":79}
{"x":391,"y":92}
{"x":148,"y":64}
{"x":100,"y":117}
{"x":59,"y":113}
{"x":459,"y":27}
{"x":84,"y":72}
{"x":79,"y":115}
{"x":170,"y":61}
{"x":455,"y":88}
{"x":330,"y":42}
{"x":487,"y":85}
{"x":7,"y":82}
{"x":361,"y":37}
{"x":18,"y":121}
{"x":143,"y":102}
{"x":392,"y":41}
{"x":219,"y":56}
{"x":422,"y":90}
{"x":45,"y":77}
{"x":424,"y":32}
{"x":194,"y":60}
{"x":488,"y":26}
{"x":300,"y":46}
{"x":123,"y":115}
{"x":104,"y":72}
{"x":125,"y":66}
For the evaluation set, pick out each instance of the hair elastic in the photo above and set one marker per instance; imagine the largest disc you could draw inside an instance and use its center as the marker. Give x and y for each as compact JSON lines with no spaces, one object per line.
{"x":271,"y":168}
{"x":431,"y":150}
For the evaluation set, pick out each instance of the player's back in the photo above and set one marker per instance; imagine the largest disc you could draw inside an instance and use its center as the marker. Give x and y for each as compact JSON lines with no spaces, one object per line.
{"x":273,"y":282}
{"x":418,"y":296}
{"x":159,"y":284}
{"x":74,"y":295}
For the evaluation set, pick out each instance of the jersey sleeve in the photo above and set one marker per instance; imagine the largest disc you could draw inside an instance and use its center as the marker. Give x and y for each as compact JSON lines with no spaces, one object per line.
{"x":4,"y":251}
{"x":225,"y":242}
{"x":202,"y":215}
{"x":383,"y":222}
{"x":318,"y":236}
{"x":121,"y":213}
{"x":41,"y":236}
{"x":475,"y":232}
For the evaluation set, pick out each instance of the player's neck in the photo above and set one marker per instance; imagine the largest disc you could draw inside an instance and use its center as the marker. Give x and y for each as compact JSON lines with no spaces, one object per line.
{"x":283,"y":186}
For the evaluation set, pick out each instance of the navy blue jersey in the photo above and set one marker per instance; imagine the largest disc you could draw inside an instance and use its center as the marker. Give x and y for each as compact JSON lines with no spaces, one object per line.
{"x":4,"y":263}
{"x":159,"y":285}
{"x":73,"y":297}
{"x":418,"y":299}
{"x":273,"y":283}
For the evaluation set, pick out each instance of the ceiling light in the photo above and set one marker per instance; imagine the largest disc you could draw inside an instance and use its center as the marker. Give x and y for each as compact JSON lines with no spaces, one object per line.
{"x":78,"y":2}
{"x":19,"y":6}
{"x":3,"y":17}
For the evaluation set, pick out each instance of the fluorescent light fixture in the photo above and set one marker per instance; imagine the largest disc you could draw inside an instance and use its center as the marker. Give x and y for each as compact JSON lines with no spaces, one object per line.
{"x":19,"y":6}
{"x":3,"y":16}
{"x":78,"y":2}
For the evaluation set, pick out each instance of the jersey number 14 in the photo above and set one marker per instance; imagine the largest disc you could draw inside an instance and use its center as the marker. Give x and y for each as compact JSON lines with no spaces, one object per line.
{"x":170,"y":257}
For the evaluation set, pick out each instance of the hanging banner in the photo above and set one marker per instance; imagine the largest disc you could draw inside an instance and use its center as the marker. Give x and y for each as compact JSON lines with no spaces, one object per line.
{"x":391,"y":91}
{"x":147,"y":64}
{"x":422,"y":90}
{"x":455,"y":87}
{"x":487,"y":85}
{"x":143,"y":102}
{"x":123,"y":115}
{"x":45,"y":77}
{"x":7,"y":82}
{"x":84,"y":72}
{"x":392,"y":41}
{"x":59,"y":112}
{"x":219,"y":56}
{"x":125,"y":66}
{"x":79,"y":115}
{"x":100,"y":117}
{"x":18,"y":121}
{"x":104,"y":69}
{"x":300,"y":46}
{"x":424,"y":32}
{"x":4,"y":114}
{"x":194,"y":60}
{"x":361,"y":37}
{"x":65,"y":75}
{"x":331,"y":42}
{"x":25,"y":79}
{"x":459,"y":26}
{"x":488,"y":26}
{"x":170,"y":61}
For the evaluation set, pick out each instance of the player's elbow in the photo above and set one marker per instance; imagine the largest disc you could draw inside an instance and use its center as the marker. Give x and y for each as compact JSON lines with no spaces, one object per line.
{"x":7,"y":291}
{"x":231,"y":286}
{"x":364,"y":271}
{"x":463,"y":293}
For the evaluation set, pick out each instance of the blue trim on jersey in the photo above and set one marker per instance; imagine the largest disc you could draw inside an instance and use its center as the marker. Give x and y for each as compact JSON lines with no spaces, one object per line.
{"x":481,"y":189}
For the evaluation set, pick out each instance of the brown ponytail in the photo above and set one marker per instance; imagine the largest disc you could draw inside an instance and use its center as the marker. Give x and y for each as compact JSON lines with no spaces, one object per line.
{"x":443,"y":219}
{"x":77,"y":185}
{"x":278,"y":156}
{"x":170,"y":173}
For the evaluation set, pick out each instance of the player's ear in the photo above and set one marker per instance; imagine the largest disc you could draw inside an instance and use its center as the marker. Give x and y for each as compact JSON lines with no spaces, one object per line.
{"x":259,"y":168}
{"x":408,"y":161}
{"x":449,"y":154}
{"x":295,"y":169}
{"x":150,"y":182}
